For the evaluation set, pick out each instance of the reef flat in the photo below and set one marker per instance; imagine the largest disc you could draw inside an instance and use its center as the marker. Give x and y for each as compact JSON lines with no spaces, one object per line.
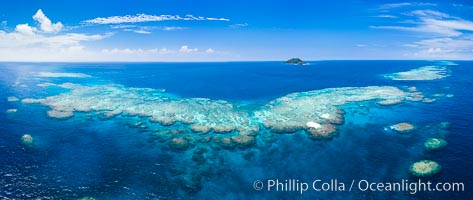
{"x":61,"y":75}
{"x":317,"y":112}
{"x":422,"y":73}
{"x":424,"y":168}
{"x":297,"y":111}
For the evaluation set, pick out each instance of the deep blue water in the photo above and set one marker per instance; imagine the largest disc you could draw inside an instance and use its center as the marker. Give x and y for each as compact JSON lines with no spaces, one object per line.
{"x":109,"y":159}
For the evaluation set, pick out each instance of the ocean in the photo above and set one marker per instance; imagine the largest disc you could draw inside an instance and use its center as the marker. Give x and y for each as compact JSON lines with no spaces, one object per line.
{"x":230,"y":130}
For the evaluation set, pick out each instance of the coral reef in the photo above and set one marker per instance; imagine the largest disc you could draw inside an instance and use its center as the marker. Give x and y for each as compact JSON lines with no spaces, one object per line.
{"x":422,"y":73}
{"x":435,"y":143}
{"x":29,"y":101}
{"x":415,"y":96}
{"x":402,"y":127}
{"x":12,"y":99}
{"x":190,"y":183}
{"x":444,"y":125}
{"x":446,"y":63}
{"x":11,"y":110}
{"x":179,"y":143}
{"x":60,"y":114}
{"x":27,"y":139}
{"x":198,"y":155}
{"x":428,"y":100}
{"x":224,"y":142}
{"x":389,"y":102}
{"x":113,"y":113}
{"x":424,"y":168}
{"x":244,"y":140}
{"x":324,"y":131}
{"x":87,"y":198}
{"x":61,"y":75}
{"x":314,"y":112}
{"x":223,"y":129}
{"x":412,"y":89}
{"x":196,"y":128}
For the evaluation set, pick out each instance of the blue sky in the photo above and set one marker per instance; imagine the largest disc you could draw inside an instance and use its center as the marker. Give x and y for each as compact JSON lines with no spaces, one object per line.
{"x":244,"y":30}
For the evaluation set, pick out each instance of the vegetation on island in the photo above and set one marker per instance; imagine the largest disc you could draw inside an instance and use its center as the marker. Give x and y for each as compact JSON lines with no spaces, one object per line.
{"x":295,"y":61}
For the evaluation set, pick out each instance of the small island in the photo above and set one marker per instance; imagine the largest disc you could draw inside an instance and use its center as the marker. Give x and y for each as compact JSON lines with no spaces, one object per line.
{"x":295,"y":61}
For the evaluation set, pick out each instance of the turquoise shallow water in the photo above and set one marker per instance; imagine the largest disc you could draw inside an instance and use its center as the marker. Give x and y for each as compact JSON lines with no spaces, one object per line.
{"x":121,"y":157}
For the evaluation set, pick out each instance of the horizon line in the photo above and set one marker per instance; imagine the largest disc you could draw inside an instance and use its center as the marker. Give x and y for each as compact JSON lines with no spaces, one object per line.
{"x":222,"y":61}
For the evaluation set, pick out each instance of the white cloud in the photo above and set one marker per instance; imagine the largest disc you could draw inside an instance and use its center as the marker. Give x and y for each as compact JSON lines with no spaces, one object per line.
{"x":434,"y":23}
{"x":164,"y":50}
{"x":26,"y":36}
{"x":186,"y":49}
{"x":462,"y":6}
{"x":141,"y":31}
{"x":4,"y":23}
{"x":465,"y":43}
{"x":443,"y":48}
{"x":129,"y":51}
{"x":403,"y":4}
{"x":45,"y":23}
{"x":146,"y":29}
{"x":42,"y":43}
{"x":23,"y":37}
{"x":173,"y":28}
{"x":361,"y":45}
{"x":460,"y":44}
{"x":442,"y":36}
{"x":31,"y":43}
{"x":123,"y":26}
{"x":394,"y":5}
{"x":139,"y":51}
{"x":428,"y":14}
{"x":24,"y":29}
{"x":429,"y":29}
{"x":460,"y":24}
{"x":217,"y":19}
{"x":148,"y":18}
{"x":386,"y":16}
{"x":238,"y":25}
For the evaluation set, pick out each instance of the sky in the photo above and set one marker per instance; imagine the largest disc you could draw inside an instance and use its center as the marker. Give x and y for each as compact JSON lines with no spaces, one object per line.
{"x":243,"y":30}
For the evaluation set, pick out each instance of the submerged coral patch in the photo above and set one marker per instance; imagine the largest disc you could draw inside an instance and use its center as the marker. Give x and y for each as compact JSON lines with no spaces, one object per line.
{"x":87,"y":198}
{"x":27,"y":139}
{"x":60,"y":114}
{"x":435,"y":143}
{"x":61,"y":75}
{"x":11,"y":110}
{"x":29,"y":101}
{"x":423,"y":73}
{"x":446,"y":63}
{"x":424,"y":168}
{"x":402,"y":127}
{"x":12,"y":99}
{"x":179,"y":143}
